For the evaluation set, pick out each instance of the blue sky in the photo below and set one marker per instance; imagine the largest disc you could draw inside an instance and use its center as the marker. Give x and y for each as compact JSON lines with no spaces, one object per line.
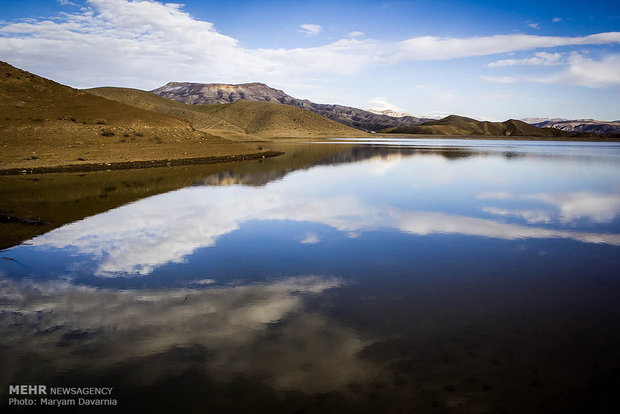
{"x":486,"y":59}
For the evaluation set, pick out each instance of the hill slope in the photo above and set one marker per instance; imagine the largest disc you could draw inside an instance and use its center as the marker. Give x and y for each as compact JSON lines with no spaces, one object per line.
{"x":44,"y":123}
{"x":269,"y":119}
{"x":238,"y":119}
{"x":194,"y":114}
{"x":209,"y":93}
{"x":459,"y":125}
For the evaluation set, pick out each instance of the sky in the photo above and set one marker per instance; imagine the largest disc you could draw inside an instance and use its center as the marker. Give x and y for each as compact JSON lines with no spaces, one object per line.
{"x":490,"y":60}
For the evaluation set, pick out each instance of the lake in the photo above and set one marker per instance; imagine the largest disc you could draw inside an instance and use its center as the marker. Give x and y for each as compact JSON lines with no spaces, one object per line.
{"x":351,"y":275}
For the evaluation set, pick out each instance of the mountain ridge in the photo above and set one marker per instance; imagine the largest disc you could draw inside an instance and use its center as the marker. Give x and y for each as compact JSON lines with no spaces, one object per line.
{"x":208,"y":93}
{"x":241,"y":119}
{"x":592,"y":126}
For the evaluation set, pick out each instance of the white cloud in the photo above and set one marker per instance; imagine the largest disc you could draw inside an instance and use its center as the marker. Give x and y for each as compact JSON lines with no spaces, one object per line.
{"x":499,"y":79}
{"x":145,"y":44}
{"x":380,"y":103}
{"x":431,"y":47}
{"x":556,"y":19}
{"x":310,"y":238}
{"x":588,"y":72}
{"x":310,"y":29}
{"x":533,"y":25}
{"x":540,"y":58}
{"x":355,"y":34}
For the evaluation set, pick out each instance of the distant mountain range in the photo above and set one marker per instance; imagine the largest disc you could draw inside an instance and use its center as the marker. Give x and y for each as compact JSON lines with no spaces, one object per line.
{"x":592,"y":126}
{"x":460,"y":125}
{"x":209,"y":93}
{"x":388,"y":121}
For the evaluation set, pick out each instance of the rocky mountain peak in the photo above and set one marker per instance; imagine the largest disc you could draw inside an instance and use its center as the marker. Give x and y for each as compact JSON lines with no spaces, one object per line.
{"x":211,"y":93}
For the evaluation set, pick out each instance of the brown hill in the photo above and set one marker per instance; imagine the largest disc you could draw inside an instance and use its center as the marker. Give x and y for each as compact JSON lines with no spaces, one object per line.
{"x":268,"y":119}
{"x":209,"y":93}
{"x":47,"y":124}
{"x":459,"y":125}
{"x":240,"y":119}
{"x":194,"y":114}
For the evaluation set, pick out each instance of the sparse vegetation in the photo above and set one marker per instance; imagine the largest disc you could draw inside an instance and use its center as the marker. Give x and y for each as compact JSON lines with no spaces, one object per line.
{"x":459,"y":125}
{"x":29,"y":101}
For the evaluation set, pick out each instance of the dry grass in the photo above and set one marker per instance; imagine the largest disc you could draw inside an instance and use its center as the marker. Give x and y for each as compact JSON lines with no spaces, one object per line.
{"x":462,"y":126}
{"x":194,"y":114}
{"x":45,"y":124}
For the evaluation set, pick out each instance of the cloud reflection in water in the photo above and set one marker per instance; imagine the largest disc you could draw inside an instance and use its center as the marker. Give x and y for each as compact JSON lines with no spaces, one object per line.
{"x":59,"y":323}
{"x":136,"y":239}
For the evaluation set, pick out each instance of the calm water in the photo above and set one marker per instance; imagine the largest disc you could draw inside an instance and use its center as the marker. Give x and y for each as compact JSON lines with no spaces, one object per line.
{"x":385,"y":276}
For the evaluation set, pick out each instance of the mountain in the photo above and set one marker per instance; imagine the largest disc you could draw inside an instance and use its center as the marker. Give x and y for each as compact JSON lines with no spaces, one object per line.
{"x":241,"y":119}
{"x":208,"y":93}
{"x":458,"y":125}
{"x":592,"y":126}
{"x":46,"y":124}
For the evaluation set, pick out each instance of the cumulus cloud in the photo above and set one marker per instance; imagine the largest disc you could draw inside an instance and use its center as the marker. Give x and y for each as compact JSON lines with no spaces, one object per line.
{"x":541,"y":58}
{"x":145,"y":44}
{"x":583,"y":71}
{"x":310,"y":29}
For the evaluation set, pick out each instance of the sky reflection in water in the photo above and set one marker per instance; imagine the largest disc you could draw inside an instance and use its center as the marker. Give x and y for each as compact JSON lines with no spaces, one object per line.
{"x":482,"y":196}
{"x":341,"y":265}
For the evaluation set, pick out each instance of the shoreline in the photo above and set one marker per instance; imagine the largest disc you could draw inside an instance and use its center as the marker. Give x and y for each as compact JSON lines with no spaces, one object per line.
{"x":128,"y":165}
{"x":169,"y":162}
{"x":498,"y":137}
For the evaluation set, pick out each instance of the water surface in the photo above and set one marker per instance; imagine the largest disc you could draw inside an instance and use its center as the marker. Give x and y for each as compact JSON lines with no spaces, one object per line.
{"x":381,"y":276}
